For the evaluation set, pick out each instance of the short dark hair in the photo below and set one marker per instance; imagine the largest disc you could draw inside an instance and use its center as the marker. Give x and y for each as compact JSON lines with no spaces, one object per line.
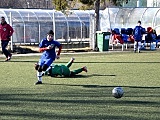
{"x":51,"y":32}
{"x":3,"y":17}
{"x":139,"y":22}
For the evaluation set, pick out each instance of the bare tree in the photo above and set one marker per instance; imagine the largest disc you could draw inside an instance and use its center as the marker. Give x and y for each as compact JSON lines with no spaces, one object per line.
{"x":11,"y":4}
{"x":63,"y":5}
{"x":47,"y":4}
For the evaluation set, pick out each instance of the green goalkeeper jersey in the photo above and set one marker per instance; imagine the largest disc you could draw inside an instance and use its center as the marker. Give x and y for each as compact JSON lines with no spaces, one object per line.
{"x":61,"y":70}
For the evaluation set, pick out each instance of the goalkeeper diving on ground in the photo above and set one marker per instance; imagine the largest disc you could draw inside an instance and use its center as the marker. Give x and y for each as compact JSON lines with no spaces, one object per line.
{"x":61,"y":70}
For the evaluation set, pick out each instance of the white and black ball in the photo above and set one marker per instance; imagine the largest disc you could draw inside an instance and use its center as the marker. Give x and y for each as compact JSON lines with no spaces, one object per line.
{"x":117,"y":92}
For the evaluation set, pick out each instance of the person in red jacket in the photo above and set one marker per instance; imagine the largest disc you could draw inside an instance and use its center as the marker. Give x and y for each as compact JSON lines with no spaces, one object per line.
{"x":117,"y":37}
{"x":6,"y":32}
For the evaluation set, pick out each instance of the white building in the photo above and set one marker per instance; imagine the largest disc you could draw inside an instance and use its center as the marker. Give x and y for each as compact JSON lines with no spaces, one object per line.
{"x":153,"y":3}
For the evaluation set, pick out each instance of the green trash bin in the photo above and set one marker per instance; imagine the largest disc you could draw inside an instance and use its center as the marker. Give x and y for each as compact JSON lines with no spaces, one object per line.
{"x":103,"y":40}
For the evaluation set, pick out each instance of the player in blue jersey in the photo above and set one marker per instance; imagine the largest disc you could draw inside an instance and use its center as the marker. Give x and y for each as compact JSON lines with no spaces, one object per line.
{"x":47,"y":46}
{"x":137,"y":34}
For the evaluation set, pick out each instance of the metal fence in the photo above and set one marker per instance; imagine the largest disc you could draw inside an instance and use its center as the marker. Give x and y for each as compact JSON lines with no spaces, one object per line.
{"x":74,"y":28}
{"x":31,"y":25}
{"x":128,"y":17}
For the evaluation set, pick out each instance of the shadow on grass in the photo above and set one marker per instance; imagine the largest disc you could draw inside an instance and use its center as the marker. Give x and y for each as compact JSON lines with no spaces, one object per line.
{"x":84,"y":76}
{"x":32,"y":104}
{"x":102,"y":86}
{"x":116,"y":62}
{"x":77,"y":62}
{"x":52,"y":116}
{"x":100,"y":75}
{"x":20,"y":61}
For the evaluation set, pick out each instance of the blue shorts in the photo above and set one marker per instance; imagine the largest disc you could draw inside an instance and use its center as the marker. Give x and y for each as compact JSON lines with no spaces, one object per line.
{"x":48,"y":62}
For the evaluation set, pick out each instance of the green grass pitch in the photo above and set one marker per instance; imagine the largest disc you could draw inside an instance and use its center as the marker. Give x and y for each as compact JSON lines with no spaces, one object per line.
{"x":88,"y":95}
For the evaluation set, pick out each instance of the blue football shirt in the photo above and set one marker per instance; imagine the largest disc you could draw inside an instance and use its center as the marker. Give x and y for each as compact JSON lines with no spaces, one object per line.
{"x":137,"y":33}
{"x":51,"y":53}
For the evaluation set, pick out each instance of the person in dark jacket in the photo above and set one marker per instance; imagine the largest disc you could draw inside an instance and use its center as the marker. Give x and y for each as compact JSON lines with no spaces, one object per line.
{"x":6,"y":32}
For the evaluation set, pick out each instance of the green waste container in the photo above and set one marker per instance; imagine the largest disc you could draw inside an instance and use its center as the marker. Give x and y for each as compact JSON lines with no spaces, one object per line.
{"x":103,"y":40}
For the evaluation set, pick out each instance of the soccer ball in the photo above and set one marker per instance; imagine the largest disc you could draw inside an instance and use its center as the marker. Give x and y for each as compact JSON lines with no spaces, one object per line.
{"x":117,"y":92}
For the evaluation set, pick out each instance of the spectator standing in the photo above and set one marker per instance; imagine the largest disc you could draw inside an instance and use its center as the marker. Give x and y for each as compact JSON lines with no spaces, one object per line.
{"x":137,"y":34}
{"x":6,"y":32}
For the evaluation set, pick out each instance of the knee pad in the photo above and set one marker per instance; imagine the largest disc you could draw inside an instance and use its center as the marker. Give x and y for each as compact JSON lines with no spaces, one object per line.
{"x":39,"y":69}
{"x":44,"y":67}
{"x":36,"y":66}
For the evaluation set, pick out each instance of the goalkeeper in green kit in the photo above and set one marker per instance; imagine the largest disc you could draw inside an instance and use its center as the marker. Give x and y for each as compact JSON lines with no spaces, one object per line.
{"x":63,"y":70}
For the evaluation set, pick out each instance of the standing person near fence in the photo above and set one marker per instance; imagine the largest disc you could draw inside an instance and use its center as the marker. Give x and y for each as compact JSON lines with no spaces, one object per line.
{"x":47,"y":46}
{"x":6,"y":32}
{"x":137,"y":34}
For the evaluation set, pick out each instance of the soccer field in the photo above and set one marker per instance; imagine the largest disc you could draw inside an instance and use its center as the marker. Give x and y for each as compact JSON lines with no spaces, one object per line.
{"x":88,"y":96}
